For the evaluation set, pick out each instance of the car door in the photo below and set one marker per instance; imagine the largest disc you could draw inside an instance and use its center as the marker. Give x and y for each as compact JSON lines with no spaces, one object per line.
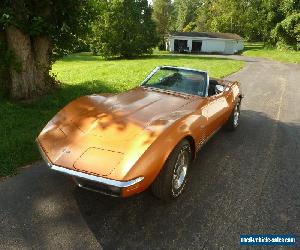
{"x":217,"y":111}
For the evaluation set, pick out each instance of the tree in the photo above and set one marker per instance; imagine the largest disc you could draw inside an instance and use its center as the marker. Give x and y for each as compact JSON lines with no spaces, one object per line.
{"x":185,"y":13}
{"x":161,"y":15}
{"x":124,"y":28}
{"x":228,"y":16}
{"x":33,"y":32}
{"x":286,"y":33}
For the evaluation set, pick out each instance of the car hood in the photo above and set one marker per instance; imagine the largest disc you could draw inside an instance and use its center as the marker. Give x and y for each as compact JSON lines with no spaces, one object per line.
{"x":98,"y":135}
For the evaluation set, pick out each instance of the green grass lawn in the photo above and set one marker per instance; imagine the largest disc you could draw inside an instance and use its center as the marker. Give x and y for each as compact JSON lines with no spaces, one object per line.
{"x":82,"y":74}
{"x":258,"y":50}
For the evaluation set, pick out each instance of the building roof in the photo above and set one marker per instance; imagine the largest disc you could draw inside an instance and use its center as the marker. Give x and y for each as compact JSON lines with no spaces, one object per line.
{"x":209,"y":34}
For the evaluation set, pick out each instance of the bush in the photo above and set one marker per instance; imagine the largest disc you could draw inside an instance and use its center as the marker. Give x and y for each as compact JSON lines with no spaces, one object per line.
{"x":124,"y":28}
{"x":286,"y":34}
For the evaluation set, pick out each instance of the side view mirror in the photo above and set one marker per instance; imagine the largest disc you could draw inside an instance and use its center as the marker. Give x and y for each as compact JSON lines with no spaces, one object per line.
{"x":219,"y":88}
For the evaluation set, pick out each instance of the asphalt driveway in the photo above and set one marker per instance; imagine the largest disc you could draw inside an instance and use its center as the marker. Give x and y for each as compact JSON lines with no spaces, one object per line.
{"x":247,"y":181}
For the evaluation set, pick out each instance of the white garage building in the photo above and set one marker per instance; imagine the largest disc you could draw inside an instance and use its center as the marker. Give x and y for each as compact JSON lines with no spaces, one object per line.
{"x":205,"y":42}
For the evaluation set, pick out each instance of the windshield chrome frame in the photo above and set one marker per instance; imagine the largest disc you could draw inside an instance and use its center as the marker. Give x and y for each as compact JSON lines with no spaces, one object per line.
{"x":143,"y":84}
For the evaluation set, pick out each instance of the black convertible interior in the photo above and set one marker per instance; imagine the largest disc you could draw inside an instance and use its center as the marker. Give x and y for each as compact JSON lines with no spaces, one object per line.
{"x":212,"y":90}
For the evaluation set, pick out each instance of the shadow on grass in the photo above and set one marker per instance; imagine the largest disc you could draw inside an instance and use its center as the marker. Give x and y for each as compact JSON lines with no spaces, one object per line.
{"x":188,"y":57}
{"x":84,"y":57}
{"x":254,"y":46}
{"x":71,"y":91}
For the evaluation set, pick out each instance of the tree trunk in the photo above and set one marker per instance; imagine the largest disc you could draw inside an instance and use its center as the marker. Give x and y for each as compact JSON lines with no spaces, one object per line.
{"x":42,"y":49}
{"x":4,"y":73}
{"x":30,"y":76}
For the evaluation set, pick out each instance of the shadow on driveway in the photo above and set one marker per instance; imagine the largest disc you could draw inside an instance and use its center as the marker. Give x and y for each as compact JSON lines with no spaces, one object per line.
{"x":241,"y":182}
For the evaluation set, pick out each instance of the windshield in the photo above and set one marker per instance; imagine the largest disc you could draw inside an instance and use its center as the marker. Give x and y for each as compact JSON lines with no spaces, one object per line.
{"x":179,"y":80}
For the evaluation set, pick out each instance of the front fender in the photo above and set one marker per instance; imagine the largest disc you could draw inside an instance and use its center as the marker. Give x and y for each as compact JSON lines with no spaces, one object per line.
{"x":152,"y":161}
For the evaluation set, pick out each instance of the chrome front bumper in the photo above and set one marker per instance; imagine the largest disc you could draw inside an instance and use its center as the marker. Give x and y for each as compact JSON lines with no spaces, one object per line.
{"x":91,"y":182}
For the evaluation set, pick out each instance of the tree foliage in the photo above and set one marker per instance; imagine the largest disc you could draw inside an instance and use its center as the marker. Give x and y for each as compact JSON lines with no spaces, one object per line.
{"x":161,"y":15}
{"x":64,"y":22}
{"x":34,"y":33}
{"x":287,"y":33}
{"x":185,"y":13}
{"x":124,"y":28}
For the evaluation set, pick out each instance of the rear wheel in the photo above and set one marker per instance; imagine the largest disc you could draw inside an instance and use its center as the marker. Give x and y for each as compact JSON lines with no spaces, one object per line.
{"x":234,"y":119}
{"x":171,"y":180}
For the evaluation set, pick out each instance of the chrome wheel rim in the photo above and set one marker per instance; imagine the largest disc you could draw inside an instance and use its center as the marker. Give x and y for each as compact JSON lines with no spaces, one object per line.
{"x":180,"y":169}
{"x":236,"y":116}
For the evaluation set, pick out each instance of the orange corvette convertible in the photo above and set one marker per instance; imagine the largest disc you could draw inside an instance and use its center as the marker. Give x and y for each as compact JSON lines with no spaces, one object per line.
{"x":146,"y":137}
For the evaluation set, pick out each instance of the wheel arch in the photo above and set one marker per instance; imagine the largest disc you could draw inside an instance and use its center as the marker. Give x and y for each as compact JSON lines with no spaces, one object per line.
{"x":191,"y":141}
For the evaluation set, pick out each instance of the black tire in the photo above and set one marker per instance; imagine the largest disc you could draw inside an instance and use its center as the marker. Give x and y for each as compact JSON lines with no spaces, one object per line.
{"x":166,"y":186}
{"x":233,"y":120}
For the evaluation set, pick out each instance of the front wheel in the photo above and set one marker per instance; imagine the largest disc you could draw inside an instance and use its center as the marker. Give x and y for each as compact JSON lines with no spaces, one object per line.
{"x":234,"y":119}
{"x":170,"y":182}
